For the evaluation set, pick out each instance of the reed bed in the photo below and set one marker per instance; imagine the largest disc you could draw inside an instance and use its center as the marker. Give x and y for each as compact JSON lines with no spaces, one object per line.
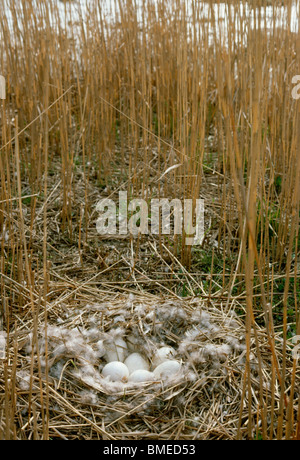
{"x":169,"y":99}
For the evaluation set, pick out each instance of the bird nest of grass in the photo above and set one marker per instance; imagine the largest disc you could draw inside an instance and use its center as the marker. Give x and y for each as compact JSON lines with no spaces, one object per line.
{"x":52,"y":380}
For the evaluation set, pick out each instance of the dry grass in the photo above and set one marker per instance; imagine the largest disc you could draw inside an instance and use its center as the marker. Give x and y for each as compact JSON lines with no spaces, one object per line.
{"x":96,"y":105}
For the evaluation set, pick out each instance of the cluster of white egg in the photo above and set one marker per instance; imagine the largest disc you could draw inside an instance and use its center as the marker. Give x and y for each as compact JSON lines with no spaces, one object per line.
{"x":135,"y":368}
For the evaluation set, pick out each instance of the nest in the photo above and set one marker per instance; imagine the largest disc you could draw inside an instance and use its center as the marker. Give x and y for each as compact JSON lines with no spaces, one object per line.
{"x":57,"y":370}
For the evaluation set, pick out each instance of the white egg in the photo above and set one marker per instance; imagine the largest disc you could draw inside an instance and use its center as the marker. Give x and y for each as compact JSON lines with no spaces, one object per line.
{"x":115,"y":350}
{"x":116,"y":371}
{"x":163,"y":354}
{"x":167,"y":369}
{"x":141,"y":375}
{"x":135,"y":362}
